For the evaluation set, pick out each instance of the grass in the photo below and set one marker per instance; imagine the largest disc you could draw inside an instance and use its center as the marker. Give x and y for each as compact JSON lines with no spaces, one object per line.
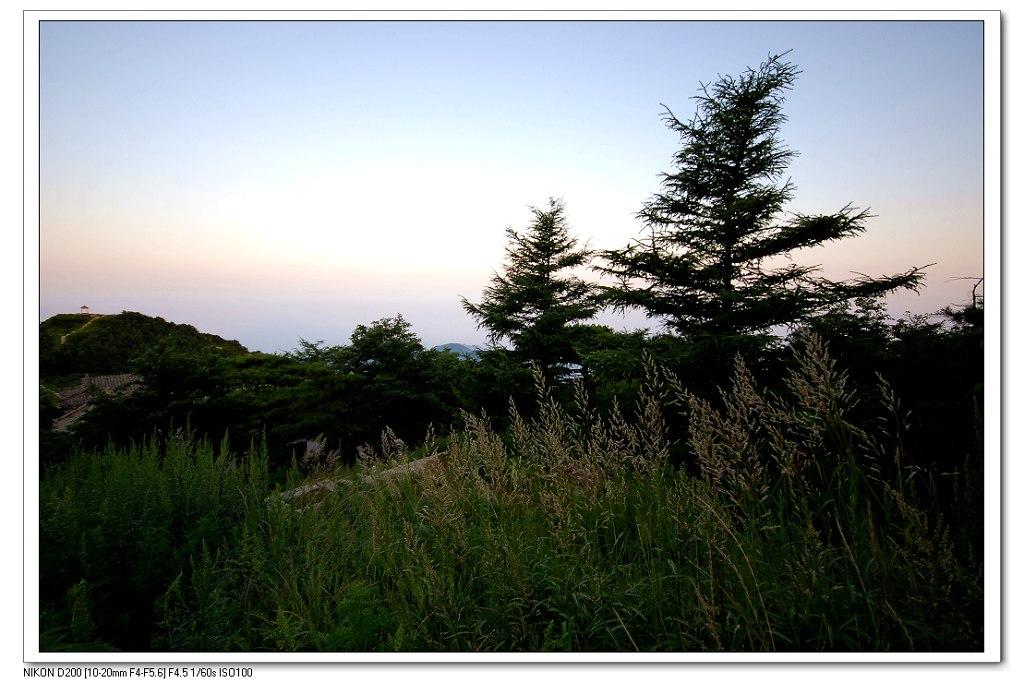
{"x":571,"y":532}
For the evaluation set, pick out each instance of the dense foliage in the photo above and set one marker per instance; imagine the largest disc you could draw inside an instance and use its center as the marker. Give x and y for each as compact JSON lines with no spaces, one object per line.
{"x":569,"y":532}
{"x":73,"y":344}
{"x":340,"y":396}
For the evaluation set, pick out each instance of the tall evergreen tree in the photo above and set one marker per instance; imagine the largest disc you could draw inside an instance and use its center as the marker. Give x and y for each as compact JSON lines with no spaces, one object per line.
{"x":710,"y":264}
{"x":535,"y":304}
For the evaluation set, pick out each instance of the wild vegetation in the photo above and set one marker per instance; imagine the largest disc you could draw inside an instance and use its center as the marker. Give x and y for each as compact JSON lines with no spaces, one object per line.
{"x":714,"y":487}
{"x":571,"y":531}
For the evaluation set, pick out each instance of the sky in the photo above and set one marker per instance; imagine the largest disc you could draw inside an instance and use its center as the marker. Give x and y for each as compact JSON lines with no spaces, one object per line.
{"x":268,"y":181}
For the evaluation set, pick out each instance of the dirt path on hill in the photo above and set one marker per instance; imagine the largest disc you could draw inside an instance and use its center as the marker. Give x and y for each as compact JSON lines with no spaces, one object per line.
{"x":84,"y":325}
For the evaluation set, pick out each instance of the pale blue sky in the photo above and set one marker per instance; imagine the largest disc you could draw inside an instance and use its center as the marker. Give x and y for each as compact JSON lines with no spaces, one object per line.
{"x":267,"y":181}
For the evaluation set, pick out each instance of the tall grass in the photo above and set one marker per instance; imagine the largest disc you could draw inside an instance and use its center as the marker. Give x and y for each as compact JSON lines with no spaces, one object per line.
{"x":572,"y":531}
{"x":118,"y":526}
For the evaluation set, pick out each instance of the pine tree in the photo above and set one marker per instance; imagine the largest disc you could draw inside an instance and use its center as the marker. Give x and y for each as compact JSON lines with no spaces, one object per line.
{"x":710,"y":264}
{"x":535,"y":304}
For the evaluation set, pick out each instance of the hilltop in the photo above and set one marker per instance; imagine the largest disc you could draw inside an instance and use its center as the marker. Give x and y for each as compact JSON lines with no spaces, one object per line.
{"x":75,"y":344}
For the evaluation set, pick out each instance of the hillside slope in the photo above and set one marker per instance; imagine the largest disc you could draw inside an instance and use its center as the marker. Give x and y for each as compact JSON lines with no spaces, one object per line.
{"x":72,"y":345}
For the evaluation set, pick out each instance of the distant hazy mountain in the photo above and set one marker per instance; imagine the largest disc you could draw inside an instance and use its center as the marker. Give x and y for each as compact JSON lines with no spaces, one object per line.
{"x":461,"y":349}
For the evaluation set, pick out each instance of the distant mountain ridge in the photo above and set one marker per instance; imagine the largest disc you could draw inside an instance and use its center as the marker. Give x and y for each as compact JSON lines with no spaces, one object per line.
{"x":461,"y":349}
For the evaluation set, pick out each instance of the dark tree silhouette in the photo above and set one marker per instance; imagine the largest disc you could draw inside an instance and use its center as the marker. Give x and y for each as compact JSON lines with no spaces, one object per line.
{"x":709,"y":266}
{"x":534,"y":303}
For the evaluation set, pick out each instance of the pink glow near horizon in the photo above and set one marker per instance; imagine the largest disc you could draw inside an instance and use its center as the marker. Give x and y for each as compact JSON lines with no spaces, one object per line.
{"x":318,"y":176}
